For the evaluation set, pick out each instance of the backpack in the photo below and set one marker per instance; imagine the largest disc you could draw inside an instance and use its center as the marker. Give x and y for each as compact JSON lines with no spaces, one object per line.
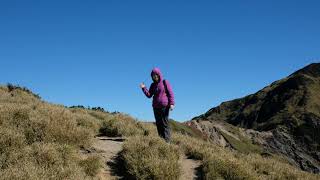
{"x":165,"y":88}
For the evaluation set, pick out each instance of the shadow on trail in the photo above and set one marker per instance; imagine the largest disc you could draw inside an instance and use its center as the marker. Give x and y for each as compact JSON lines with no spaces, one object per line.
{"x":110,"y":138}
{"x":199,"y":173}
{"x":113,"y":139}
{"x":118,"y":168}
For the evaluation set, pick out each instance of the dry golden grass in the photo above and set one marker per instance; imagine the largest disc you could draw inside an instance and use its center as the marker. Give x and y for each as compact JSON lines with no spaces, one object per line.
{"x":41,"y":140}
{"x":42,"y":161}
{"x":122,"y":125}
{"x":221,"y":163}
{"x":149,"y":157}
{"x":46,"y":123}
{"x":272,"y":168}
{"x":92,"y":165}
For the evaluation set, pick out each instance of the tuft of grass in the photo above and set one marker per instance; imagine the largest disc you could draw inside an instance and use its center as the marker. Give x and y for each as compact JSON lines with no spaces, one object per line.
{"x":122,"y":125}
{"x":148,"y":157}
{"x":216,"y":167}
{"x":110,"y":128}
{"x":42,"y":161}
{"x":91,"y":165}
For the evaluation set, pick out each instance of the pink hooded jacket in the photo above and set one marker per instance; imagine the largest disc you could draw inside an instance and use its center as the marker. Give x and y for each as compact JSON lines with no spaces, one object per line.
{"x":161,"y":98}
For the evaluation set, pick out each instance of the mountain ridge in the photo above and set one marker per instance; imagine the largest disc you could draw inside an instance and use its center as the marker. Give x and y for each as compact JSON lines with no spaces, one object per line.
{"x":288,"y":108}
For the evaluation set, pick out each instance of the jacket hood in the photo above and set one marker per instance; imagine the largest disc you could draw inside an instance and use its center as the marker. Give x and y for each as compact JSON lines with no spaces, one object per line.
{"x":157,"y":72}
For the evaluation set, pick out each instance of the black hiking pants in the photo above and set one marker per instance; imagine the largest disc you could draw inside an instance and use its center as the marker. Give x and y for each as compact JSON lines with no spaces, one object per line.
{"x":162,"y":121}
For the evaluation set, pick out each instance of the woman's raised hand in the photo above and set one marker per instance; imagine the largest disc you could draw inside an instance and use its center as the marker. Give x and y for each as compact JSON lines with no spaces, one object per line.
{"x":142,"y":85}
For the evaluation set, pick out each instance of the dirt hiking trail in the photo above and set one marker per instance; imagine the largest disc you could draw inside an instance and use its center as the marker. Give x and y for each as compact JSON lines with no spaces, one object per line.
{"x":109,"y":148}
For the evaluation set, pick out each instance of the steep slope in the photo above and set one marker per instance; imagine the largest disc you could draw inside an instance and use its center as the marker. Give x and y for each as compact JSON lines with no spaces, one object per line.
{"x":283,"y":117}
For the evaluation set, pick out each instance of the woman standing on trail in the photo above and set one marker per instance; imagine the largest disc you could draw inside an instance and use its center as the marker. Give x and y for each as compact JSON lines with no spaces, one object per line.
{"x":163,"y":101}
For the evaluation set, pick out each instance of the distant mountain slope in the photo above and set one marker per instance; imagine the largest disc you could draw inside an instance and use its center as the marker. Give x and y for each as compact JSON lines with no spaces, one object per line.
{"x":284,"y":117}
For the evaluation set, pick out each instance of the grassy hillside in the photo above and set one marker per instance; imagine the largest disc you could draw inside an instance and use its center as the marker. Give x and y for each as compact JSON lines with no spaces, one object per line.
{"x":40,"y":140}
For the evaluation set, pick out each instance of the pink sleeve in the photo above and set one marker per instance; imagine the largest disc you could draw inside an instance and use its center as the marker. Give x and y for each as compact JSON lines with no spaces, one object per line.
{"x":148,"y":93}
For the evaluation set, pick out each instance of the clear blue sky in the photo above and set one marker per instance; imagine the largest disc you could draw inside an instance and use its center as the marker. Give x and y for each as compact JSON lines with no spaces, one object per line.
{"x":95,"y":53}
